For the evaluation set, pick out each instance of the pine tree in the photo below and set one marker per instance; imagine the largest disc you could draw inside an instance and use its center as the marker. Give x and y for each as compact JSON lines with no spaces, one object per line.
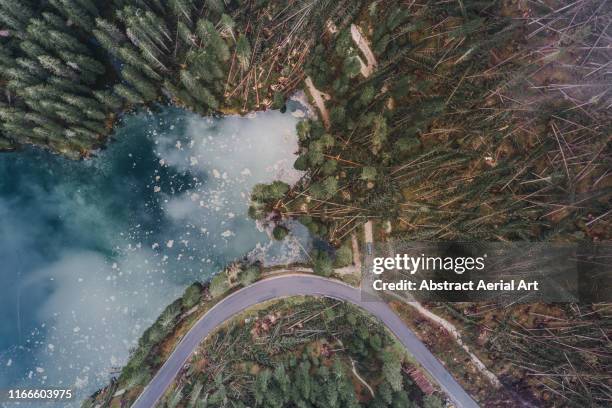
{"x":31,"y":49}
{"x":33,"y":67}
{"x":249,"y":275}
{"x":197,"y":90}
{"x":392,"y":370}
{"x":62,"y":84}
{"x":89,"y":6}
{"x":66,"y":41}
{"x":188,"y":80}
{"x":218,"y":6}
{"x":243,"y":52}
{"x":86,"y":134}
{"x":108,"y":98}
{"x":315,"y":154}
{"x":7,"y":60}
{"x":211,"y":39}
{"x":38,"y":31}
{"x":49,"y":134}
{"x":132,"y":57}
{"x":303,"y":380}
{"x":12,"y":114}
{"x":185,"y":33}
{"x":81,"y":102}
{"x":36,"y":118}
{"x":19,"y":130}
{"x":19,"y":79}
{"x":368,"y":173}
{"x":191,"y":295}
{"x":106,"y":41}
{"x":78,"y":14}
{"x":6,"y":143}
{"x":142,"y":84}
{"x":330,"y":187}
{"x":95,"y":114}
{"x":95,"y":126}
{"x":110,"y":30}
{"x":205,"y":66}
{"x":140,"y":39}
{"x":55,"y":66}
{"x":182,"y":9}
{"x":146,"y":35}
{"x":11,"y":22}
{"x":39,"y":106}
{"x":226,"y":26}
{"x":82,"y":63}
{"x":379,"y":133}
{"x":205,"y":30}
{"x":352,"y":66}
{"x":130,"y":95}
{"x":69,"y":115}
{"x":54,"y":21}
{"x":17,"y":12}
{"x":218,"y":285}
{"x":157,"y":29}
{"x":322,"y":263}
{"x":152,"y":56}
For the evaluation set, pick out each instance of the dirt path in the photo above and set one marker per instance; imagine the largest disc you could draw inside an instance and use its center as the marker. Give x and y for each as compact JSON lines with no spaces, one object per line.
{"x":364,"y":46}
{"x":319,"y":99}
{"x":361,"y":378}
{"x":449,"y":327}
{"x":366,"y":70}
{"x":367,"y":233}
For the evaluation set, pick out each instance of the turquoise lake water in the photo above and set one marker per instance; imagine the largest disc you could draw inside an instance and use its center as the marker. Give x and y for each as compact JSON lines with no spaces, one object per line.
{"x":91,"y":251}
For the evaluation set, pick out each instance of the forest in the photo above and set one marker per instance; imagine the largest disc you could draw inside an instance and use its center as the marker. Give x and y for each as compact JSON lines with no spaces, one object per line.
{"x":474,"y":124}
{"x":480,"y":122}
{"x":70,"y":68}
{"x":438,"y":120}
{"x":301,"y":352}
{"x":471,"y":128}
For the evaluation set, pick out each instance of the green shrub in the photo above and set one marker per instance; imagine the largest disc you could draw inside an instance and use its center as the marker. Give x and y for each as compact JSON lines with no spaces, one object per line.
{"x":368,"y":173}
{"x":218,"y":285}
{"x":344,"y":255}
{"x":322,"y":263}
{"x":192,"y":295}
{"x":432,"y":401}
{"x":249,"y":275}
{"x":280,"y":232}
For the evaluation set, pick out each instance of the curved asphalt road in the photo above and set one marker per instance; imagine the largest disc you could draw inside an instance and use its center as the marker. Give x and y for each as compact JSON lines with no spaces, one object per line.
{"x":293,"y":285}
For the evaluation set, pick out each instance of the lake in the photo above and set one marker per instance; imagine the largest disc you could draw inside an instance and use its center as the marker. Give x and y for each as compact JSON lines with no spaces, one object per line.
{"x":91,"y":251}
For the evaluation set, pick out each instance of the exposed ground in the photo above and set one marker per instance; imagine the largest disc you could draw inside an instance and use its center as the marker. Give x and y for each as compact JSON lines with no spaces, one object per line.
{"x":364,"y":45}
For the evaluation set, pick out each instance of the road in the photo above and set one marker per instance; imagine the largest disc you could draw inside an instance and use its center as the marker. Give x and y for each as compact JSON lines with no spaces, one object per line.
{"x":294,"y":285}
